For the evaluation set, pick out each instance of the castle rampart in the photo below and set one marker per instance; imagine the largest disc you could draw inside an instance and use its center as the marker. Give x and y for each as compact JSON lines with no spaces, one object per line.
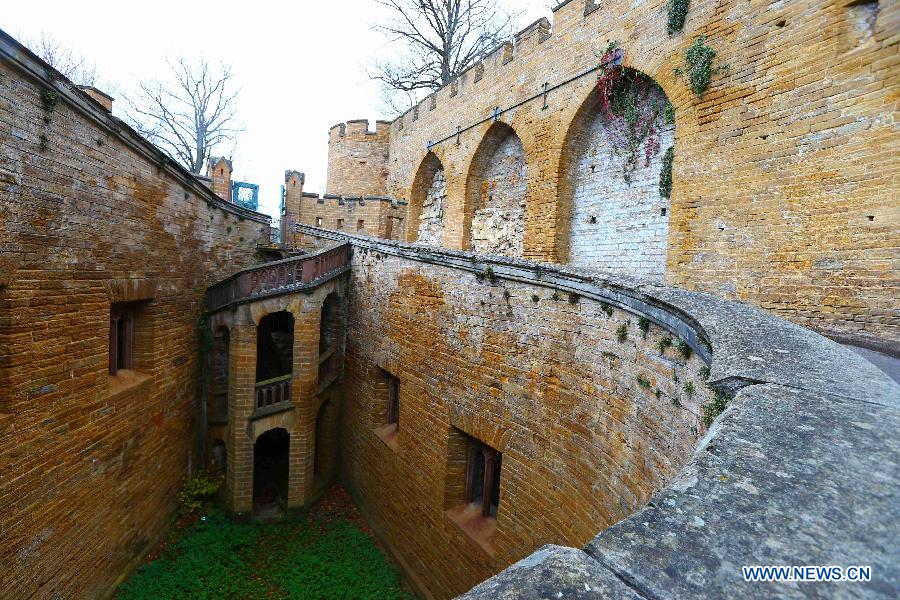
{"x":546,"y":363}
{"x":767,"y":176}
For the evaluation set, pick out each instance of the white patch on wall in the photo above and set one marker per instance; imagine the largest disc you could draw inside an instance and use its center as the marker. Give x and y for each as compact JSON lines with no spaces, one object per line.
{"x":498,"y":225}
{"x":431,"y":219}
{"x":616,"y":226}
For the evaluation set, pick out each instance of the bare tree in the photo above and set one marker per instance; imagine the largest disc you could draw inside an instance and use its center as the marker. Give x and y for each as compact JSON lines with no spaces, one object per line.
{"x":73,"y":67}
{"x":188,"y":115}
{"x":441,"y":39}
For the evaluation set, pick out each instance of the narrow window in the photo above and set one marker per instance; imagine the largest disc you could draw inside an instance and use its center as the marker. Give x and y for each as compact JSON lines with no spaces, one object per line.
{"x":340,"y":223}
{"x":360,"y":224}
{"x":318,"y":221}
{"x":393,"y":407}
{"x":483,"y":477}
{"x":121,"y":337}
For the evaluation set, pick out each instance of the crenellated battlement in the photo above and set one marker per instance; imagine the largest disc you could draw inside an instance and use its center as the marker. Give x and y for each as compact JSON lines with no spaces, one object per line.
{"x":567,"y":15}
{"x":359,"y":129}
{"x":290,"y":174}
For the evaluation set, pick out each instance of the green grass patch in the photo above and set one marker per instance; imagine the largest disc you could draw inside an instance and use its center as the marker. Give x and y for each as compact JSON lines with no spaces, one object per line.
{"x":316,"y":558}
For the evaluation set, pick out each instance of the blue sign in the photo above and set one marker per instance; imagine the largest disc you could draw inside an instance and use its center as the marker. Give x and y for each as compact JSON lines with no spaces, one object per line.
{"x":245,"y":194}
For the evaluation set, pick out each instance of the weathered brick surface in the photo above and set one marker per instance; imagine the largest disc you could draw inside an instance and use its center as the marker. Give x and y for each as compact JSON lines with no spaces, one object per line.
{"x":496,"y":188}
{"x":784,"y":188}
{"x":377,"y":216}
{"x":546,"y":383}
{"x":357,"y":159}
{"x":431,"y":219}
{"x":616,"y":226}
{"x":90,"y":464}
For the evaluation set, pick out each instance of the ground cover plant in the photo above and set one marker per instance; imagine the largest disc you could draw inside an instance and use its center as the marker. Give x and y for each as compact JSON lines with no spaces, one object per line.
{"x":328,"y":554}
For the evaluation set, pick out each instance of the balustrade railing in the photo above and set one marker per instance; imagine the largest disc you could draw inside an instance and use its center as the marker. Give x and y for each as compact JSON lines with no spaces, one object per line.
{"x":273,"y":391}
{"x":277,"y":277}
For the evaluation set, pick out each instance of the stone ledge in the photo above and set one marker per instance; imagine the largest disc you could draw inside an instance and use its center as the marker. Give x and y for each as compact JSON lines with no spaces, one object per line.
{"x":552,"y":572}
{"x":750,"y":346}
{"x":785,"y":477}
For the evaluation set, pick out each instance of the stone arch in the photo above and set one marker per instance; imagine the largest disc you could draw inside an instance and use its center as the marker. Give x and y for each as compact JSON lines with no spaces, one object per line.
{"x":496,"y":185}
{"x":271,"y":452}
{"x":612,"y":218}
{"x":427,"y":203}
{"x":274,"y":345}
{"x":331,"y":337}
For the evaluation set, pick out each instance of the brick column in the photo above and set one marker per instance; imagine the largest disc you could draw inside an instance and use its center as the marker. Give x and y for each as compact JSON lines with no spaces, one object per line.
{"x":303,"y":392}
{"x":241,"y":383}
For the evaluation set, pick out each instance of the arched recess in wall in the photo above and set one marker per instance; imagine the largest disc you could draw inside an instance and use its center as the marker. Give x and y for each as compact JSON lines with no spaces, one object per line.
{"x":494,"y":221}
{"x":427,"y":203}
{"x":613,"y":195}
{"x":270,"y":469}
{"x":274,"y":346}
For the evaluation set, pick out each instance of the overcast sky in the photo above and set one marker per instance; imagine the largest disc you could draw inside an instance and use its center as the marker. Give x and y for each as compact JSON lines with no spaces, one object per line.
{"x":300,"y":66}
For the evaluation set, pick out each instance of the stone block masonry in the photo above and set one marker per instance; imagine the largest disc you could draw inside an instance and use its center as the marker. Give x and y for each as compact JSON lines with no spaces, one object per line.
{"x":90,"y":214}
{"x":783,"y":194}
{"x":590,"y":422}
{"x":588,"y":418}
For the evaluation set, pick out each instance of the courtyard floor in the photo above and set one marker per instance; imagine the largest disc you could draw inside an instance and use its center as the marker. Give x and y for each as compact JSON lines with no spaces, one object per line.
{"x":328,"y":554}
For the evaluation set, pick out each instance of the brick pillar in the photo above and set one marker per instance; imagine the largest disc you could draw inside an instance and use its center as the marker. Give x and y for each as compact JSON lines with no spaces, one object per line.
{"x":241,"y":384}
{"x":303,"y":392}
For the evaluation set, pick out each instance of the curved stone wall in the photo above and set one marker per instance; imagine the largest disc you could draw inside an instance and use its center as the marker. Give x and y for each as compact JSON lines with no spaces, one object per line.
{"x":495,"y":348}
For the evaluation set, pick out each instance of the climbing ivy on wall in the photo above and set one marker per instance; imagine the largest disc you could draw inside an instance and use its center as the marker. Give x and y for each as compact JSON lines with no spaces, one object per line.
{"x":665,"y":175}
{"x":698,"y":66}
{"x":677,"y":14}
{"x":631,"y":110}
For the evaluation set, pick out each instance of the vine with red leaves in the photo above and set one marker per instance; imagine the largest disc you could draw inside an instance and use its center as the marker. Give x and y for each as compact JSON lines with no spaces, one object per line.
{"x":631,"y":109}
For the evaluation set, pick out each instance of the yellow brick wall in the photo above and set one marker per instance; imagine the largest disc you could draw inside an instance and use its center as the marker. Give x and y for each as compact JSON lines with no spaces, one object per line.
{"x":785,"y":186}
{"x":357,"y":159}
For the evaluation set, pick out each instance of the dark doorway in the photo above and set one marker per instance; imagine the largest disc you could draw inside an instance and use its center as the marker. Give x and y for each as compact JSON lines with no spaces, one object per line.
{"x":270,"y":472}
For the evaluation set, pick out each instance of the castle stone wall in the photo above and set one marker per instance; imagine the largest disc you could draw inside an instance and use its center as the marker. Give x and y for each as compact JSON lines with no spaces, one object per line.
{"x":783,"y":195}
{"x":540,"y":376}
{"x":375,"y":216}
{"x":90,"y":464}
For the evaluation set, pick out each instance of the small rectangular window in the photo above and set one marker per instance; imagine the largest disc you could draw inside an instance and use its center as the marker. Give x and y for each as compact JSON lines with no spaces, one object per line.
{"x":318,"y":221}
{"x":360,"y":225}
{"x":121,"y":337}
{"x":340,"y":223}
{"x":483,"y":477}
{"x":393,"y":406}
